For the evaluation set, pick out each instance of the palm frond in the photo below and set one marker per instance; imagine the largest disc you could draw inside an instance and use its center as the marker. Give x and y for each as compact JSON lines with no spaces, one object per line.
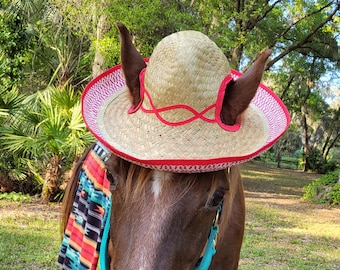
{"x":20,"y":144}
{"x":4,"y":112}
{"x":11,"y":101}
{"x":76,"y":122}
{"x":35,"y":171}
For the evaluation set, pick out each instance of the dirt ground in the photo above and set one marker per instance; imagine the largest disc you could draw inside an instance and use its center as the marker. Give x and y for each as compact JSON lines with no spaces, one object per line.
{"x":34,"y":208}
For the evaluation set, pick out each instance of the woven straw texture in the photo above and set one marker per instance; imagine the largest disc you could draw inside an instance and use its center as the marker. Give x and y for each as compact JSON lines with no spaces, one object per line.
{"x":180,"y":72}
{"x":185,"y":68}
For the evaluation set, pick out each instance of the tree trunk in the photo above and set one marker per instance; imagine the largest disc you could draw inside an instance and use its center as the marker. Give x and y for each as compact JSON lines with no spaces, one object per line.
{"x":52,"y":178}
{"x":285,"y":90}
{"x":331,"y":145}
{"x":325,"y":145}
{"x":305,"y":138}
{"x":103,"y":27}
{"x":278,"y":156}
{"x":70,"y":173}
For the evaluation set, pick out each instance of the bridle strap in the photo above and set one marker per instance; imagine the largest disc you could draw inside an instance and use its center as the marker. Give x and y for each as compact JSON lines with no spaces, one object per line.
{"x":103,"y":252}
{"x":210,"y":249}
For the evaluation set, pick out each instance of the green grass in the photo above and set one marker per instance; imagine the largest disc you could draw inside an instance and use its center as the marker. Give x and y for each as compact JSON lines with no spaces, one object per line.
{"x":28,"y":240}
{"x":275,"y":239}
{"x":282,"y":231}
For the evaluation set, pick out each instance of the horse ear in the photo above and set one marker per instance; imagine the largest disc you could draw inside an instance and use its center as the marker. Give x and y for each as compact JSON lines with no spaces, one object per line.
{"x":132,"y":64}
{"x":239,"y":93}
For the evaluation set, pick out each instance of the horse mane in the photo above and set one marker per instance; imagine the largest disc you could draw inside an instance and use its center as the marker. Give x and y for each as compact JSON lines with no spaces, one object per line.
{"x":232,"y":212}
{"x":135,"y":182}
{"x":70,"y":192}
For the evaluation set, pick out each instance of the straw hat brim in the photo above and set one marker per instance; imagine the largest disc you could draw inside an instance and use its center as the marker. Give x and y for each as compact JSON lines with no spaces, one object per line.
{"x":195,"y":147}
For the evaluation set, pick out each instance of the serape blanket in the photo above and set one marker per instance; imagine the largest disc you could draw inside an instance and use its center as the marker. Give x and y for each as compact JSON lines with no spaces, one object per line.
{"x":81,"y":242}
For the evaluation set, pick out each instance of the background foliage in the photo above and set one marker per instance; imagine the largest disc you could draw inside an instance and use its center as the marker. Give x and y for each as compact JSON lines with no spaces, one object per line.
{"x":326,"y":189}
{"x":49,"y":50}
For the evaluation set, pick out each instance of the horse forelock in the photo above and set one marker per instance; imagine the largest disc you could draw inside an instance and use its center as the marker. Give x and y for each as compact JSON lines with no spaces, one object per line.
{"x":159,"y":179}
{"x":137,"y":179}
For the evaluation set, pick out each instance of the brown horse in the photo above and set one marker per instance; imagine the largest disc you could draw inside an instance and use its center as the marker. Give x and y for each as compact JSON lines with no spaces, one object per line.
{"x":161,"y":220}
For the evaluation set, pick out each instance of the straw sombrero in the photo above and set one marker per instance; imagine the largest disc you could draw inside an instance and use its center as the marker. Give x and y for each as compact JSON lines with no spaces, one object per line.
{"x":177,"y":125}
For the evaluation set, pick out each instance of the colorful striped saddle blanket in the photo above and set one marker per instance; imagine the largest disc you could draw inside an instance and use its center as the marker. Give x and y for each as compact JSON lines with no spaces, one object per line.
{"x":90,"y":212}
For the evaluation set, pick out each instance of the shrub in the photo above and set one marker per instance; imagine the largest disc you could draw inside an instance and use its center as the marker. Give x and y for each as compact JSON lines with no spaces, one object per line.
{"x":326,"y":189}
{"x":15,"y":197}
{"x":318,"y":163}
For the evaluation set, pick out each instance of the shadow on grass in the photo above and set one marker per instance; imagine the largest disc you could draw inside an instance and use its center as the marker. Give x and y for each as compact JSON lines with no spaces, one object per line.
{"x":263,"y":179}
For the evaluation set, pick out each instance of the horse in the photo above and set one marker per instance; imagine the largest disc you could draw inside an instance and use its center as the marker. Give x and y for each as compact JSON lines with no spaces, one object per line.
{"x":162,"y":219}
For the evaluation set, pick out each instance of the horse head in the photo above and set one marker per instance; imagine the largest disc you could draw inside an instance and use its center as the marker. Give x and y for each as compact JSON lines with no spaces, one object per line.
{"x":162,"y":220}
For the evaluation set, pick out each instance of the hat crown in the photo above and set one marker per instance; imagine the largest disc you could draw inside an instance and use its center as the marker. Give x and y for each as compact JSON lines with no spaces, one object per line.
{"x":185,"y":68}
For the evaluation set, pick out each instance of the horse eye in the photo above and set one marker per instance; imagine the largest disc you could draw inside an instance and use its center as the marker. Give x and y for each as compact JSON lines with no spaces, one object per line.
{"x":109,"y":176}
{"x":216,"y":198}
{"x":112,"y":178}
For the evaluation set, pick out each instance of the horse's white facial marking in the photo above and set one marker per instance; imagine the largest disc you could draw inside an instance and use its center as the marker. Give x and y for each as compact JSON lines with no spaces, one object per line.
{"x":154,"y":233}
{"x":159,"y":179}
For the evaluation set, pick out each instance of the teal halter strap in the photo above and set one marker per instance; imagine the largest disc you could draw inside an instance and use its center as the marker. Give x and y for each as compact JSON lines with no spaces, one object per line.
{"x":103,"y":252}
{"x":210,"y":250}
